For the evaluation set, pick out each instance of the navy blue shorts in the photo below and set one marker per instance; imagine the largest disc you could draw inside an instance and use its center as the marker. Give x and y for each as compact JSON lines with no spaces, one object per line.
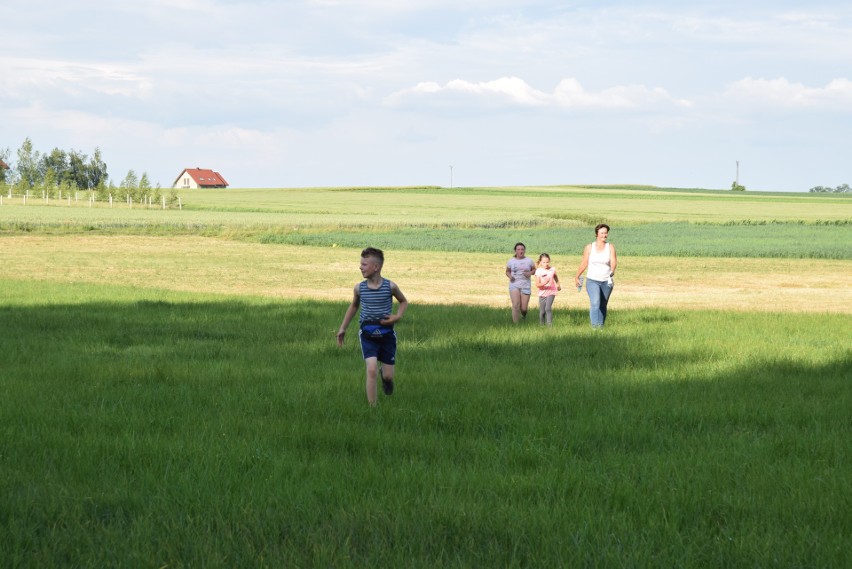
{"x":383,"y":349}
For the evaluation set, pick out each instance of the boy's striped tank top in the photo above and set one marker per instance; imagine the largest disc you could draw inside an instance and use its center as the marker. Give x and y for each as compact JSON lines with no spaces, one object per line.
{"x":375,"y":304}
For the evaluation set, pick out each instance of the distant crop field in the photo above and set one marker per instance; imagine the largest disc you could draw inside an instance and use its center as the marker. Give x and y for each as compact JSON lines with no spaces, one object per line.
{"x":767,"y":240}
{"x":461,"y":207}
{"x":681,"y":223}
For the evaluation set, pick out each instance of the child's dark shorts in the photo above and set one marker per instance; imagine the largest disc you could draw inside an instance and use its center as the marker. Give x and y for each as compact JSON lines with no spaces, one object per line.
{"x":384,"y":349}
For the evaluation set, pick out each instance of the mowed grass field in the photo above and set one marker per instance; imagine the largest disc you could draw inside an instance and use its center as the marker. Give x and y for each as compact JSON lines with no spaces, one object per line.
{"x":172,"y":393}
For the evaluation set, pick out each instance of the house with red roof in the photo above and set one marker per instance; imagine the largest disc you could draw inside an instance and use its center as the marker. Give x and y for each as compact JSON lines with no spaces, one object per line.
{"x":194,"y":178}
{"x":3,"y":165}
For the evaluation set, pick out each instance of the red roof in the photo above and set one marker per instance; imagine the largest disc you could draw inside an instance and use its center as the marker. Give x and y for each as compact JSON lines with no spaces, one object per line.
{"x":4,"y":165}
{"x":205,"y":178}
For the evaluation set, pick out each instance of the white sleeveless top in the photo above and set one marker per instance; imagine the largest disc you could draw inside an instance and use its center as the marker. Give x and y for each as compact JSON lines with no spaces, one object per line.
{"x":599,"y":269}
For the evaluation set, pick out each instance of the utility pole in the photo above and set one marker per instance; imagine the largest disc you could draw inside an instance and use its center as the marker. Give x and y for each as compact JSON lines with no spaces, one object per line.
{"x":737,"y":180}
{"x":451,"y":176}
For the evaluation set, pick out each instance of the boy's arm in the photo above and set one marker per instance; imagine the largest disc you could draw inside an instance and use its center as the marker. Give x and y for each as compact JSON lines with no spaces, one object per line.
{"x":403,"y":305}
{"x":347,"y":318}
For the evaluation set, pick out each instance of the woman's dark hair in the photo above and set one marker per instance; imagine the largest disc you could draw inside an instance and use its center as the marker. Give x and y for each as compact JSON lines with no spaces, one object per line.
{"x":518,"y":243}
{"x":600,"y":226}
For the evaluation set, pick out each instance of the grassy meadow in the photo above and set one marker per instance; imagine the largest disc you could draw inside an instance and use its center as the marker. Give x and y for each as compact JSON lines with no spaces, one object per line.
{"x":173,"y":396}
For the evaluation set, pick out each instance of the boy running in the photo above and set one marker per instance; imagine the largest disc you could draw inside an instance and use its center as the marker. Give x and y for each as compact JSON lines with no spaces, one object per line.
{"x":374,"y":295}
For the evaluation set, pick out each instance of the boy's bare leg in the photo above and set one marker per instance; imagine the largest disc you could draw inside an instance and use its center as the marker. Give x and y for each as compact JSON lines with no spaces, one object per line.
{"x":372,"y":375}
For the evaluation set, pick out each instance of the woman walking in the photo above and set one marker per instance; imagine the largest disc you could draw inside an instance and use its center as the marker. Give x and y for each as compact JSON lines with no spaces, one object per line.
{"x":599,"y":257}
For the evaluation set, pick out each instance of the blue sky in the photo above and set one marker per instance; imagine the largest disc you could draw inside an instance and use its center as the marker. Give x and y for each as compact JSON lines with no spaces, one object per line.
{"x":393,"y":92}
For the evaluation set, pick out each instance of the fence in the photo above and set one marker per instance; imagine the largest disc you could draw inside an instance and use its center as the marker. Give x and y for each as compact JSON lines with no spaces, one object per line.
{"x":89,"y":199}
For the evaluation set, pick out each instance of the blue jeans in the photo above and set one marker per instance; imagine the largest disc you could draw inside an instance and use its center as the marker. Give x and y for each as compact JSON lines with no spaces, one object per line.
{"x":599,"y":292}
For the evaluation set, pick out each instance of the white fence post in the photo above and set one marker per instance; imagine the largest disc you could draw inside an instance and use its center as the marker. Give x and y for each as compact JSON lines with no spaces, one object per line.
{"x":110,"y":200}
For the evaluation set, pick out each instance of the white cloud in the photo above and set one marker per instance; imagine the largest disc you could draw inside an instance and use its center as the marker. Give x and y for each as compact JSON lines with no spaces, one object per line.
{"x":70,"y":78}
{"x":512,"y":91}
{"x":836,"y":95}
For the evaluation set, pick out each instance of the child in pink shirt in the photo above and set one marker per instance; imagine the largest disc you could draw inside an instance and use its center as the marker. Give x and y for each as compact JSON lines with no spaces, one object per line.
{"x":547,"y":282}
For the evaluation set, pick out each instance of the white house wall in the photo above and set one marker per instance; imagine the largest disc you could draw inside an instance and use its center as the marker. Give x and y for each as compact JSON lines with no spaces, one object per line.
{"x":185,"y":181}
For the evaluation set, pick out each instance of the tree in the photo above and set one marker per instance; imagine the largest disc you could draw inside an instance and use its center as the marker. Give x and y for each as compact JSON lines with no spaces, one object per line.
{"x":737,"y":187}
{"x":49,"y":182}
{"x":4,"y":156}
{"x":77,"y":174}
{"x":102,"y":191}
{"x":841,"y":189}
{"x":73,"y":167}
{"x":55,"y":162}
{"x":144,"y":187}
{"x":28,"y":160}
{"x":96,"y":171}
{"x":129,"y":185}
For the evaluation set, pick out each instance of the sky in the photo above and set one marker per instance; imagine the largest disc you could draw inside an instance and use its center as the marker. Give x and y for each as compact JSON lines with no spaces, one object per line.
{"x":309,"y":93}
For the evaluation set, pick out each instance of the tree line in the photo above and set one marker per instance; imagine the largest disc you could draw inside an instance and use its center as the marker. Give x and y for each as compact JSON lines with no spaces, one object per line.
{"x":61,"y":172}
{"x":841,"y":189}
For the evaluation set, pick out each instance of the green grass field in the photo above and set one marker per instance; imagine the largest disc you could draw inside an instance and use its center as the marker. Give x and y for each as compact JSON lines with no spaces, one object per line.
{"x":145,"y":425}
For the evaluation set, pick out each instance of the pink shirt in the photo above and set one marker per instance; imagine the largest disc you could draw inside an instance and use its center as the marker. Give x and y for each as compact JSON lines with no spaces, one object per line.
{"x":548,"y":284}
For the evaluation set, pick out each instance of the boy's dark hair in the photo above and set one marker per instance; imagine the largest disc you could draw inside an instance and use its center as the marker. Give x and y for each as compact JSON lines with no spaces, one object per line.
{"x":374,"y":253}
{"x":600,"y":226}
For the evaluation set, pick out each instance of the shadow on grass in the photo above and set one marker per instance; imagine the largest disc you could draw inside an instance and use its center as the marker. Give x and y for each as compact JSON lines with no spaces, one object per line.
{"x":226,"y":431}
